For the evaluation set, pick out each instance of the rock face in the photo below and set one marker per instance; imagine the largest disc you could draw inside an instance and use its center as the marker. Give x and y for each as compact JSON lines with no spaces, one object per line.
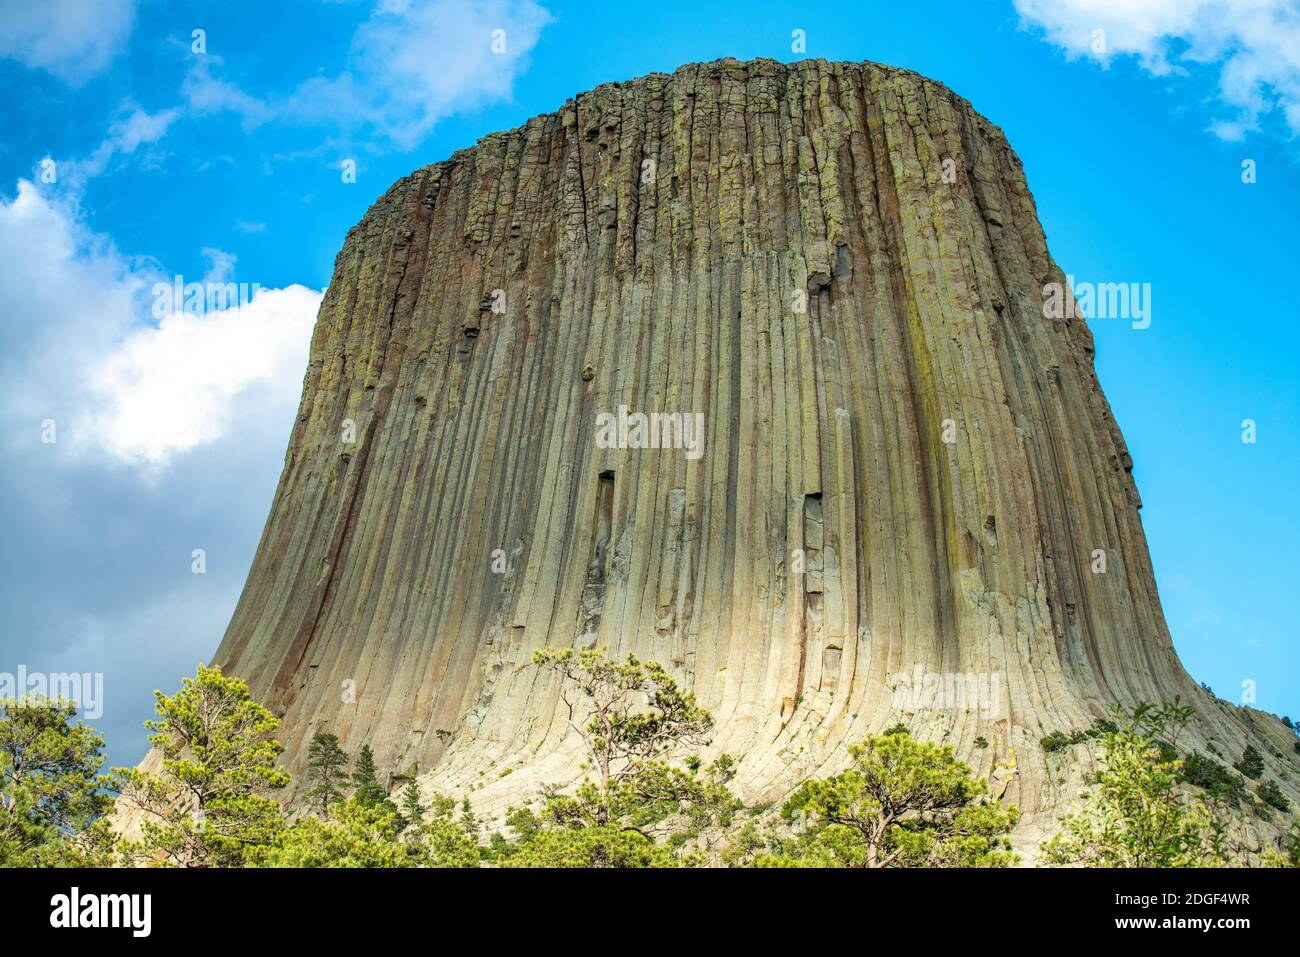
{"x":908,"y":500}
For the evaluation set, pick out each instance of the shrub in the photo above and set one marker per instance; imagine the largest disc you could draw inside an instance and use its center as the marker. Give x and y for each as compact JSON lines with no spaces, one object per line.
{"x":1251,"y":763}
{"x":1134,"y":815}
{"x":1056,"y":741}
{"x":1272,"y":795}
{"x":1213,"y":778}
{"x":1287,"y":853}
{"x":1059,"y":740}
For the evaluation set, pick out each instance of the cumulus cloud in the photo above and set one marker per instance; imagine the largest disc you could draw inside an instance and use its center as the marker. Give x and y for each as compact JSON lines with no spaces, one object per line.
{"x":194,"y":378}
{"x":89,"y":349}
{"x":412,"y":63}
{"x":1252,"y":47}
{"x":72,"y":39}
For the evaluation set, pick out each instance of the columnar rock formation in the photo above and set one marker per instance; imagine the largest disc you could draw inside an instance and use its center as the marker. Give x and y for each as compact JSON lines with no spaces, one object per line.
{"x":905,"y":469}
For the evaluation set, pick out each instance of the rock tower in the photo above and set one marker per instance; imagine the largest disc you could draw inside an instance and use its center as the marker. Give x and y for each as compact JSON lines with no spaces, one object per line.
{"x":892,"y":489}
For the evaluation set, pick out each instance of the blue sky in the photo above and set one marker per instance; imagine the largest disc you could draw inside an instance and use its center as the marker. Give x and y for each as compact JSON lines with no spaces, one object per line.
{"x":228,"y":164}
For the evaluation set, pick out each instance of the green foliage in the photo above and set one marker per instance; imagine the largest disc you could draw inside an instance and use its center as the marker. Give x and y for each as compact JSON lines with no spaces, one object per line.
{"x":636,"y":712}
{"x":1056,"y":741}
{"x":637,"y":810}
{"x":412,"y":809}
{"x":353,"y":835}
{"x":206,"y":797}
{"x":49,"y":786}
{"x":1272,"y":795}
{"x":325,"y":770}
{"x":981,"y":742}
{"x":524,"y":823}
{"x":210,"y":802}
{"x":1287,"y":853}
{"x":357,"y":834}
{"x":1251,"y":763}
{"x":1213,"y":778}
{"x":1059,"y":740}
{"x":366,"y":788}
{"x":659,"y":802}
{"x":1135,"y":814}
{"x":600,"y":846}
{"x":903,"y":803}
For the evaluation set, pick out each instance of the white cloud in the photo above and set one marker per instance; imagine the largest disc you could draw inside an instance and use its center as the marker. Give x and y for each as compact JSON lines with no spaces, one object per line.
{"x":64,"y":293}
{"x":196,"y":378}
{"x":419,"y":61}
{"x":137,"y":127}
{"x":411,"y":63}
{"x":1253,"y":46}
{"x":73,"y":39}
{"x":132,"y":129}
{"x":82,"y":348}
{"x":221,"y":264}
{"x":205,"y":93}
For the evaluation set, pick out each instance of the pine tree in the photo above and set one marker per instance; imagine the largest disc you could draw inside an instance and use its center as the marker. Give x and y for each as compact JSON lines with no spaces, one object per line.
{"x":357,"y":835}
{"x":210,"y":803}
{"x":325,"y":764}
{"x":367,"y":790}
{"x":49,"y":784}
{"x":412,"y":809}
{"x":637,"y":809}
{"x":902,"y":803}
{"x":1251,"y":763}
